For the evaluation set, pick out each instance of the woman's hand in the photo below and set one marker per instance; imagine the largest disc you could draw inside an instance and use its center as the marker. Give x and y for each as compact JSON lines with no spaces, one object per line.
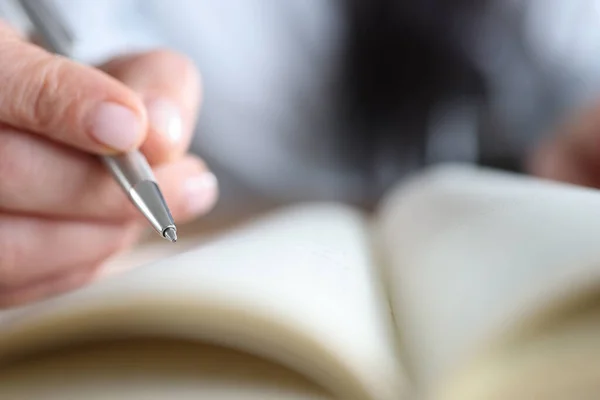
{"x":572,"y":155}
{"x":61,"y":214}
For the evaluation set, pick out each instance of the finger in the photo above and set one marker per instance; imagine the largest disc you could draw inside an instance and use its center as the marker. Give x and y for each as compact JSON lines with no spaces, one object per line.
{"x":573,"y":155}
{"x":48,"y":287}
{"x":32,"y":249}
{"x":65,"y":101}
{"x":170,"y":86}
{"x":47,"y":179}
{"x":558,"y":161}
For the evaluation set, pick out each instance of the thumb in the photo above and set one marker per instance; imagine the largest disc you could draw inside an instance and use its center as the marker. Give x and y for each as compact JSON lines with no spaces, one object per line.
{"x":65,"y":101}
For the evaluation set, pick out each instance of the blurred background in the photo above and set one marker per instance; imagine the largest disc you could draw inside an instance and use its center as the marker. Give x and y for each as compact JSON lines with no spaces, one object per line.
{"x":338,"y":100}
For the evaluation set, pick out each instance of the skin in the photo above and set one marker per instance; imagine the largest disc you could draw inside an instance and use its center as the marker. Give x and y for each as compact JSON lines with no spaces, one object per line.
{"x":572,"y":153}
{"x":61,"y":214}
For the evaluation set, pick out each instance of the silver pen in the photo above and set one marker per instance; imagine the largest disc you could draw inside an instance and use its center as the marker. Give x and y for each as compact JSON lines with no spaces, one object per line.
{"x":131,"y":170}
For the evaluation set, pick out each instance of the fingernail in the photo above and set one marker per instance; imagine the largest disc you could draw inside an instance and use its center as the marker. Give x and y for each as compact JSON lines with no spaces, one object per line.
{"x":201,"y":193}
{"x":165,"y":118}
{"x":116,"y":126}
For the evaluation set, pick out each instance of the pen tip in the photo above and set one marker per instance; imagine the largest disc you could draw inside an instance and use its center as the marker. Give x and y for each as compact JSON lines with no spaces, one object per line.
{"x":170,"y":234}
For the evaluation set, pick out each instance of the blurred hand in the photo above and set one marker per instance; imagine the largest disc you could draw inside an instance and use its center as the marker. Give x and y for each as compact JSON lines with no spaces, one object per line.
{"x":61,"y":214}
{"x":572,"y":155}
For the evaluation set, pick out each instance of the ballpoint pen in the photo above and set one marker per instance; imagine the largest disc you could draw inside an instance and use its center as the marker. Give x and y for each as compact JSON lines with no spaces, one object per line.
{"x":131,"y":170}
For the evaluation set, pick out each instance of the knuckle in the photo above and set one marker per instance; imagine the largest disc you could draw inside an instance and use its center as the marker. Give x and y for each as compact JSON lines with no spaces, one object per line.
{"x":41,"y":107}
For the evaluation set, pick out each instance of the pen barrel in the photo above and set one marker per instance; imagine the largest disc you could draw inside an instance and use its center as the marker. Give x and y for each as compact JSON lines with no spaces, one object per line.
{"x":133,"y":173}
{"x":129,"y":169}
{"x":49,"y":25}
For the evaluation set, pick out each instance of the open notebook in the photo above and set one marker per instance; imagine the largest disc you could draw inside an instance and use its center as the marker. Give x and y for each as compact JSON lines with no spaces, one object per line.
{"x":467,"y":284}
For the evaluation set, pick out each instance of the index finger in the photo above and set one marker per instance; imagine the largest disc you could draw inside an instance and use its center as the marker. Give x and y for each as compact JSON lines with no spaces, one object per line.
{"x":65,"y":101}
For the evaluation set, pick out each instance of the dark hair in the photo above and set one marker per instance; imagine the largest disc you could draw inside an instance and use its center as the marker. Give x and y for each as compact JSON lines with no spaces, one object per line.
{"x":402,"y":57}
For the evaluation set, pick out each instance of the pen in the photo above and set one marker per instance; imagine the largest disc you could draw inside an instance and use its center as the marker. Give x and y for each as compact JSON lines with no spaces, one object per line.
{"x":131,"y":170}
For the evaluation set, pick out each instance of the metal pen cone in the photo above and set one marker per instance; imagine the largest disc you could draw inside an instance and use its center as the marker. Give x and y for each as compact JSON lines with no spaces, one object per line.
{"x":149,"y":200}
{"x":131,"y":169}
{"x":170,"y":234}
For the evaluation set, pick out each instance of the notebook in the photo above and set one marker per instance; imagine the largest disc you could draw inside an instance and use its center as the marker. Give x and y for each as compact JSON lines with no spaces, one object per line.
{"x":466,"y":283}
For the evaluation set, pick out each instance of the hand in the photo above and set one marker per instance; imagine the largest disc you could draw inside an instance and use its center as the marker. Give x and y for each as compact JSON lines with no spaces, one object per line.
{"x":61,"y":214}
{"x":573,"y":154}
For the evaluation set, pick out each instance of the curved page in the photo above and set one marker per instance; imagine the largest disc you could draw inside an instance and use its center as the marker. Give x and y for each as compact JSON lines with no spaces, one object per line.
{"x":474,"y":255}
{"x":153,"y":370}
{"x":298,"y":286}
{"x":559,"y":363}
